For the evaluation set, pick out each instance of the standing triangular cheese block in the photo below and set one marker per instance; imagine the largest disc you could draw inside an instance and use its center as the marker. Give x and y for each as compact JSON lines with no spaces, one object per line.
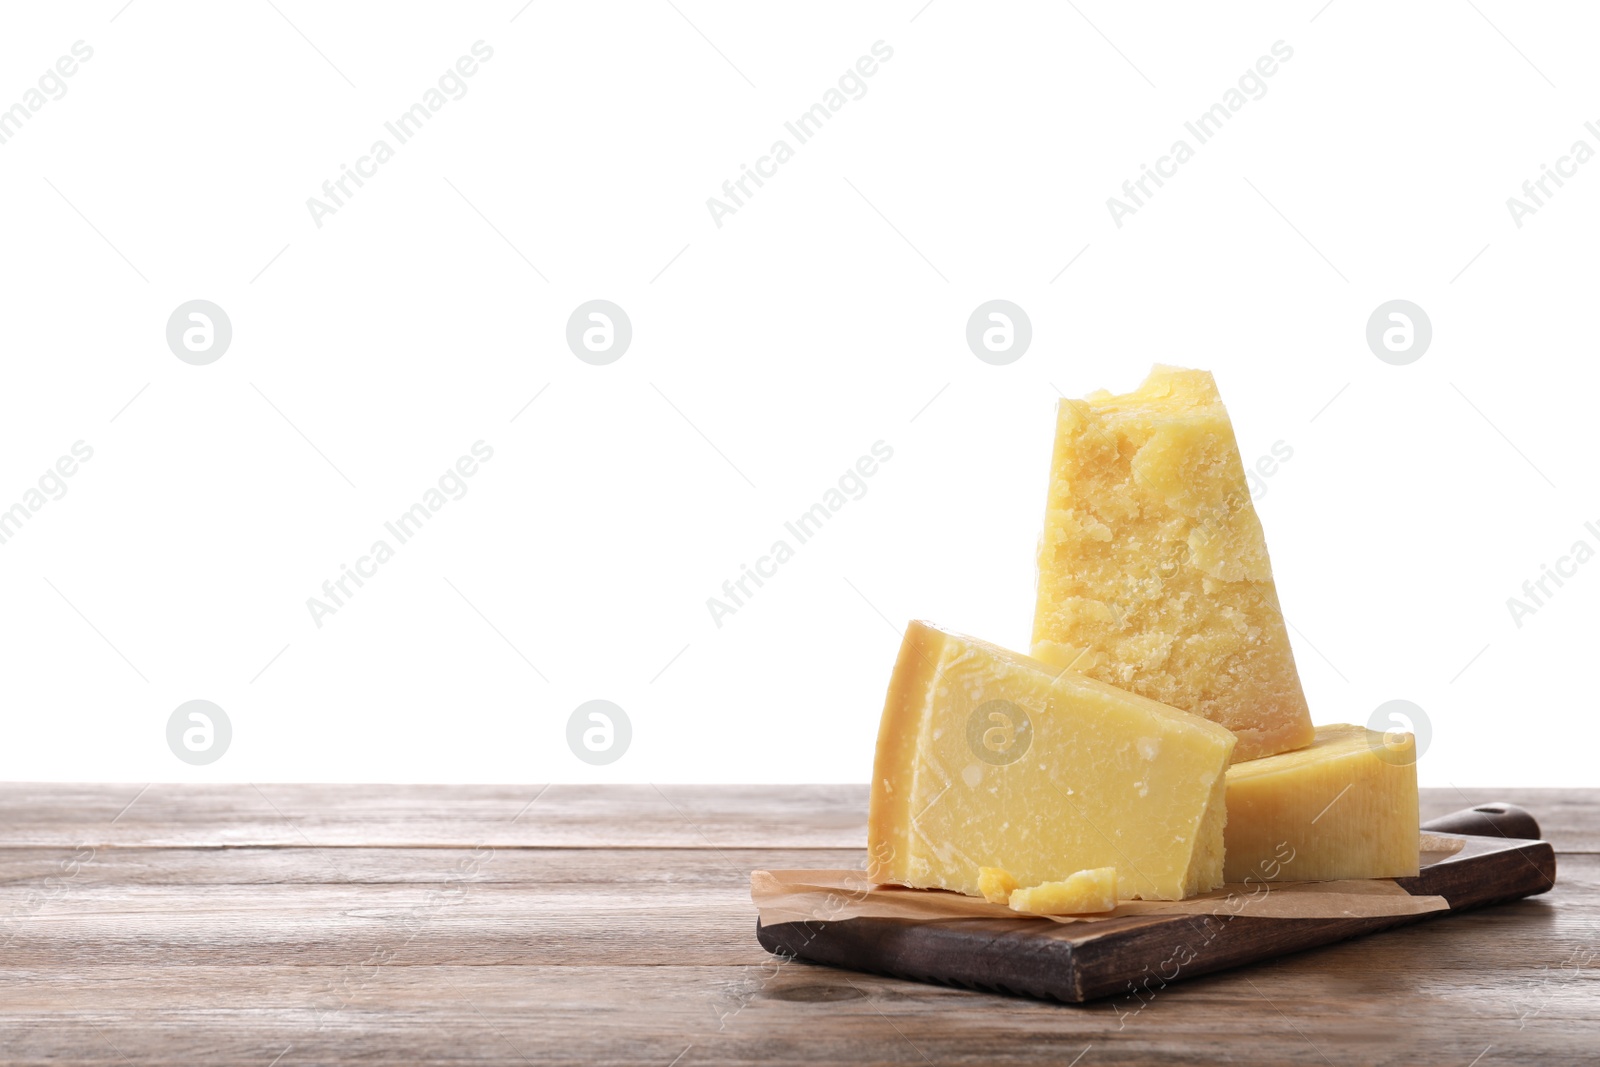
{"x":989,"y":758}
{"x":1153,"y":569}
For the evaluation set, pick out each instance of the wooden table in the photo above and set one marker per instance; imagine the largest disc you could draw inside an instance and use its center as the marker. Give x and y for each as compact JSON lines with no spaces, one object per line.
{"x":294,"y":924}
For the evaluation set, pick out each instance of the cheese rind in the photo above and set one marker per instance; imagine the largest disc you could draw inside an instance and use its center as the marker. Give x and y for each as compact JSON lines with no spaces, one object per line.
{"x":1083,"y":893}
{"x":1346,"y":807}
{"x":1153,"y":569}
{"x":989,"y":758}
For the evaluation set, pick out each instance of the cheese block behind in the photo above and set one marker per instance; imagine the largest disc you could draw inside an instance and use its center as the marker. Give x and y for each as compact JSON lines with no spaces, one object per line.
{"x":1153,"y":569}
{"x":1346,"y":807}
{"x":989,"y":758}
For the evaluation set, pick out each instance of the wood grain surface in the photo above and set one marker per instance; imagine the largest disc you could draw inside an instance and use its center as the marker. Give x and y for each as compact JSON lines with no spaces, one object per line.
{"x":296,"y":924}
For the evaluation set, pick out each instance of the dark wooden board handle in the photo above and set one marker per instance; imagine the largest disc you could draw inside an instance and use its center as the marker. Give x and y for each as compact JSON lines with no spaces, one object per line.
{"x":1495,"y":819}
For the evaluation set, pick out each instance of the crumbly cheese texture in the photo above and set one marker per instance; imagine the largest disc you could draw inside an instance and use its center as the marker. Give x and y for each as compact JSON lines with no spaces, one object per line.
{"x":989,"y":758}
{"x":996,"y":884}
{"x":1083,"y":893}
{"x":1346,"y":807}
{"x":1153,"y":569}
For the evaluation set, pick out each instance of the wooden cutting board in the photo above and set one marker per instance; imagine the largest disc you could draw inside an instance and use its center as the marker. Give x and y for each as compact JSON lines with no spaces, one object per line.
{"x":1135,"y":956}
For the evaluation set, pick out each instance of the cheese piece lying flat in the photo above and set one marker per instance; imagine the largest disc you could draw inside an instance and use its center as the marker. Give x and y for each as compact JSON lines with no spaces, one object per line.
{"x":1153,"y":570}
{"x":1084,"y":893}
{"x":1344,"y":808}
{"x":989,"y":758}
{"x":996,"y":884}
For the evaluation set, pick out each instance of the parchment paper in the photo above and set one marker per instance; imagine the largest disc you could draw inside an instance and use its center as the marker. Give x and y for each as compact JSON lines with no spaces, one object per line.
{"x":834,"y":895}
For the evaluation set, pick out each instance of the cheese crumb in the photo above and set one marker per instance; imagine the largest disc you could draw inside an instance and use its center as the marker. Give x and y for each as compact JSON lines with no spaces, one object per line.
{"x":996,"y":883}
{"x":1084,"y":893}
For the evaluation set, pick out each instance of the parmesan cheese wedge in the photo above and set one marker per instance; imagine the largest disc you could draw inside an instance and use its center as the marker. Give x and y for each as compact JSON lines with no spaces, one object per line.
{"x":989,"y":758}
{"x":1153,"y":570}
{"x":1346,"y":807}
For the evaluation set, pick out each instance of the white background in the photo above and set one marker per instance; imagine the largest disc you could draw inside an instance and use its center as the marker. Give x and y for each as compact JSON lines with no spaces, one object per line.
{"x":826,"y":315}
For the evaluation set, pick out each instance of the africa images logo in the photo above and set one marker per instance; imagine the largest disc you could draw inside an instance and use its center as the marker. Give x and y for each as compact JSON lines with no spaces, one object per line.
{"x":999,"y":732}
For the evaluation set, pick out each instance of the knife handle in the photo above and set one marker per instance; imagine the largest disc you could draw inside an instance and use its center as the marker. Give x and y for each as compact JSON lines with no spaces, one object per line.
{"x":1495,"y":819}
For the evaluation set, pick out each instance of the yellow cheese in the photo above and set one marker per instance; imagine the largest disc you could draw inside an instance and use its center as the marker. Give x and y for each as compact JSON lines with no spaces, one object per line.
{"x":996,"y":884}
{"x":1153,"y":570}
{"x":1083,"y":893}
{"x":1344,"y":808}
{"x":989,"y":758}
